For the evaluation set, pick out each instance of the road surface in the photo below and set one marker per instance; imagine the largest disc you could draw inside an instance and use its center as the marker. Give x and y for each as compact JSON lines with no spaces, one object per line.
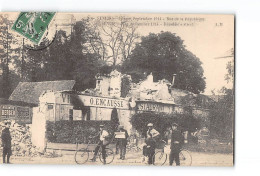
{"x":132,"y":158}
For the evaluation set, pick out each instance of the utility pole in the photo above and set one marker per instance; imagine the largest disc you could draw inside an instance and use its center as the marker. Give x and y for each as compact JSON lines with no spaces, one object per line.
{"x":22,"y":65}
{"x":6,"y":68}
{"x":7,"y":45}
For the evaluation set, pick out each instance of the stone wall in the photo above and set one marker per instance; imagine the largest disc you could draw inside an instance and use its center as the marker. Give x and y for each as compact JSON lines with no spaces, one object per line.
{"x":39,"y":129}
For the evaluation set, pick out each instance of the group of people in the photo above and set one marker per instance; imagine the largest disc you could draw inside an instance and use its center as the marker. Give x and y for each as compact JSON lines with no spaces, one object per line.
{"x":104,"y":140}
{"x":152,"y":138}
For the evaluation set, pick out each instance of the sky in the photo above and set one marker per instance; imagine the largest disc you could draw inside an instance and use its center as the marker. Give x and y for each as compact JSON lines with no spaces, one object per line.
{"x":207,"y":36}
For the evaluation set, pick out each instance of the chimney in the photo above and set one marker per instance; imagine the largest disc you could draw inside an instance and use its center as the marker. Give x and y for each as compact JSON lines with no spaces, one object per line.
{"x":150,"y":78}
{"x":173,"y":78}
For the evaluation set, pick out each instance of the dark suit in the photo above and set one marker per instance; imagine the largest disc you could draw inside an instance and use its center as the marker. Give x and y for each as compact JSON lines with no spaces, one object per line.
{"x":6,"y":142}
{"x":176,"y":148}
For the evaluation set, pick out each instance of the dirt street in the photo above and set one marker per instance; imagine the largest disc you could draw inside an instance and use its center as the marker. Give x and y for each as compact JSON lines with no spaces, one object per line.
{"x":132,"y":158}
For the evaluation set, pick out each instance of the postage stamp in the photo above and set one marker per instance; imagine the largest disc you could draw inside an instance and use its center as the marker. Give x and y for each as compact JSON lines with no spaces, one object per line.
{"x":33,"y":25}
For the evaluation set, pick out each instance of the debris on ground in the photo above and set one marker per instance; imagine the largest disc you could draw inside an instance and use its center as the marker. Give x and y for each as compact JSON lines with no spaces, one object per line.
{"x":21,"y":141}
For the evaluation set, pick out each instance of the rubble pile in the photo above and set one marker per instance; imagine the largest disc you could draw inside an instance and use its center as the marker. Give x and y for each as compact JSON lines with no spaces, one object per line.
{"x":21,"y":140}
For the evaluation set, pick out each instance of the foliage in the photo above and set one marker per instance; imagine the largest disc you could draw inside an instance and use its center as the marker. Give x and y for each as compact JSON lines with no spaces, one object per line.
{"x":162,"y":121}
{"x":198,"y":100}
{"x":74,"y":131}
{"x":14,"y":80}
{"x":8,"y":53}
{"x":229,"y":77}
{"x":65,"y":59}
{"x":222,"y":113}
{"x":164,"y":54}
{"x":222,"y":116}
{"x":125,"y":86}
{"x":78,"y":55}
{"x":114,"y":120}
{"x":116,"y":40}
{"x":85,"y":71}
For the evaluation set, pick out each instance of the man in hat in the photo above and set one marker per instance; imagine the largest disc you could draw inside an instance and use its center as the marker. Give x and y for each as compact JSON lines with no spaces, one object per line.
{"x":6,"y":142}
{"x":151,"y":138}
{"x":103,"y":142}
{"x":177,"y":141}
{"x":122,"y":141}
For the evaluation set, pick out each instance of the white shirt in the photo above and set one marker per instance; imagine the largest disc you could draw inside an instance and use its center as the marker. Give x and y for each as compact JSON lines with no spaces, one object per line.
{"x":153,"y":132}
{"x":103,"y":134}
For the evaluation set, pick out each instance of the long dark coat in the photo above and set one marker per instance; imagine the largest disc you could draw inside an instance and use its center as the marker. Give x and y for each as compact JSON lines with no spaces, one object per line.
{"x":177,"y":136}
{"x":6,"y":138}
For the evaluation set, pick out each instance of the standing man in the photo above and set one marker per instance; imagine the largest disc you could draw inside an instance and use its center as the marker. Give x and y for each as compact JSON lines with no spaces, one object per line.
{"x":122,"y":141}
{"x":151,"y":138}
{"x":103,"y":142}
{"x":6,"y":142}
{"x":177,"y":141}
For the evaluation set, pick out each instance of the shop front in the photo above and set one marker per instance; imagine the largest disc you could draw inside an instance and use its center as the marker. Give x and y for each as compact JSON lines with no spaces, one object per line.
{"x":71,"y":106}
{"x":100,"y":108}
{"x":20,"y":112}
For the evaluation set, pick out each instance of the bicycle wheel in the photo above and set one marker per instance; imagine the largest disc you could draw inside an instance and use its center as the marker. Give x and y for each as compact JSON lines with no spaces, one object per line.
{"x":128,"y":149}
{"x":109,"y":156}
{"x":185,"y":158}
{"x":138,"y":149}
{"x":81,"y":156}
{"x":159,"y":158}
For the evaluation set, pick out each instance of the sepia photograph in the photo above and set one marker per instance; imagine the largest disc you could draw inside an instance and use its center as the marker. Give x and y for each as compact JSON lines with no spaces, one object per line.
{"x":141,"y":89}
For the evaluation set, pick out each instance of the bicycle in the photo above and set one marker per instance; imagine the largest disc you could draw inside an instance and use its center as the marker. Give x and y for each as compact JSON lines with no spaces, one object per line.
{"x":133,"y":148}
{"x":82,"y":155}
{"x":160,"y":157}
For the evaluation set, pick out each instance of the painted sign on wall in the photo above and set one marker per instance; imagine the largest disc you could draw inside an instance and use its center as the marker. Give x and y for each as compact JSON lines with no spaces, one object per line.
{"x":154,"y":107}
{"x":7,"y":112}
{"x":104,"y":102}
{"x":18,"y":113}
{"x":23,"y":113}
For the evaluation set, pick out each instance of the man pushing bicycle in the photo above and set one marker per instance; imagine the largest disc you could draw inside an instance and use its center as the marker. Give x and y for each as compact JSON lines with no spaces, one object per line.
{"x":103,"y":142}
{"x":151,"y":138}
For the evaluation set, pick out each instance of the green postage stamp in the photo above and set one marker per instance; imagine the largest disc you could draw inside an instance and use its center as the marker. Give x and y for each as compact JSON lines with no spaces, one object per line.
{"x":33,"y":25}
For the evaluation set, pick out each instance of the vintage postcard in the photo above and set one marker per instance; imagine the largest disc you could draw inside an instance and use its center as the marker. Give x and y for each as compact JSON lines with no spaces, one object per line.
{"x":117,"y":89}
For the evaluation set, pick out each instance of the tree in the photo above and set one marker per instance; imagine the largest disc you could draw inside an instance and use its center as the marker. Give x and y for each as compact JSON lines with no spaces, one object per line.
{"x":8,"y":53}
{"x":186,"y":122}
{"x":229,"y":77}
{"x":117,"y":40}
{"x":114,"y":120}
{"x":222,"y":116}
{"x":32,"y":64}
{"x":13,"y":78}
{"x":125,"y":85}
{"x":58,"y":61}
{"x":68,"y":57}
{"x":164,"y":54}
{"x":86,"y":60}
{"x":222,"y":113}
{"x":85,"y":72}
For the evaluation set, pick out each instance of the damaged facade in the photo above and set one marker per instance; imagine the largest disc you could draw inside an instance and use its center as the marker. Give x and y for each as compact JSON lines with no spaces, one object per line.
{"x":57,"y":101}
{"x":98,"y":104}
